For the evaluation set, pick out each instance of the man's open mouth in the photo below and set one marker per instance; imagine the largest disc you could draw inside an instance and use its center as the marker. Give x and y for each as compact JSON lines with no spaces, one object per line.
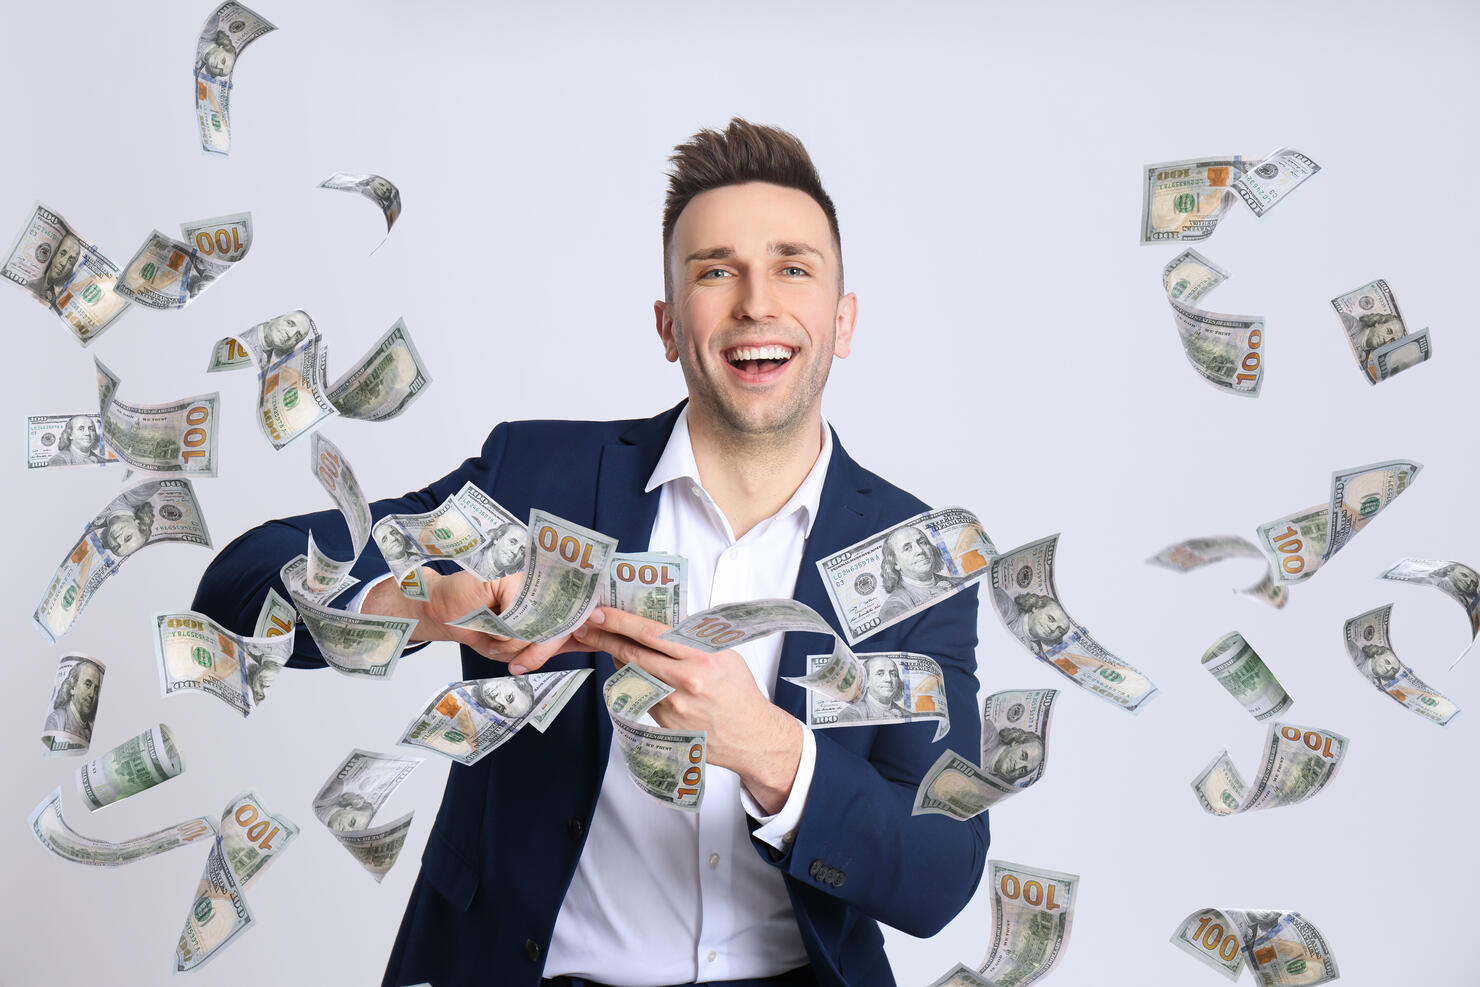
{"x":759,"y":359}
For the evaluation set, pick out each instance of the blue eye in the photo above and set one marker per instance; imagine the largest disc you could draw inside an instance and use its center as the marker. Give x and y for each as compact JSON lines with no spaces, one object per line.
{"x":794,"y":270}
{"x":717,"y":270}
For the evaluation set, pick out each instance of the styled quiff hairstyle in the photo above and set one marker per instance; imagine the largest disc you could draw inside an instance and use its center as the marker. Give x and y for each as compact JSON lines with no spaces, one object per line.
{"x":744,"y":152}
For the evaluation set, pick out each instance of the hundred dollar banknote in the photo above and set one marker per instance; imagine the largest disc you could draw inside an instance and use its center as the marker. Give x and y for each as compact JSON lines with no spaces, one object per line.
{"x":66,"y":273}
{"x":1027,"y":599}
{"x":730,"y":625}
{"x":226,"y":33}
{"x":276,"y":618}
{"x":1194,"y":553}
{"x":1282,"y":948}
{"x":73,"y":706}
{"x":196,"y":653}
{"x":292,"y":373}
{"x":324,"y":577}
{"x":469,"y":720}
{"x":1032,"y":913}
{"x":1298,"y":763}
{"x":385,"y":381}
{"x":1239,"y":669}
{"x":177,"y":437}
{"x":1183,"y":200}
{"x":295,"y":578}
{"x":165,"y":273}
{"x":669,"y":766}
{"x":265,"y":344}
{"x":66,"y":440}
{"x":136,"y":764}
{"x":368,"y":645}
{"x":1014,"y":756}
{"x":1227,"y":350}
{"x":406,"y":541}
{"x":961,"y":975}
{"x":1374,"y":326}
{"x":1369,"y":643}
{"x":381,"y":191}
{"x":52,"y":832}
{"x":1265,"y":185}
{"x":145,"y":514}
{"x":900,"y":571}
{"x":887,"y":687}
{"x":1300,"y":543}
{"x":506,"y":540}
{"x":348,"y":802}
{"x":1459,"y":582}
{"x":650,"y":584}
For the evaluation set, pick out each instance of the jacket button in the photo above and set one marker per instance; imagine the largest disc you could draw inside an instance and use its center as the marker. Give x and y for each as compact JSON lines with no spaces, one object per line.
{"x":532,"y":950}
{"x":838,"y":877}
{"x":575,"y":828}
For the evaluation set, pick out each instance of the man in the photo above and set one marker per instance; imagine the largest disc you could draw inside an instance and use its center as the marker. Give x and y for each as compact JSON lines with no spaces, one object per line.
{"x":882,"y":693}
{"x":218,"y":58}
{"x":508,"y":696}
{"x":1382,"y":665}
{"x":395,"y":546}
{"x":76,"y":703}
{"x":1463,"y":580}
{"x":348,"y":812}
{"x":913,"y":572}
{"x":1012,"y":754}
{"x":503,"y":555}
{"x":281,"y":334}
{"x":1044,"y":621}
{"x":1376,"y":329}
{"x":59,"y":269}
{"x":535,"y":867}
{"x":78,"y":444}
{"x":125,"y":532}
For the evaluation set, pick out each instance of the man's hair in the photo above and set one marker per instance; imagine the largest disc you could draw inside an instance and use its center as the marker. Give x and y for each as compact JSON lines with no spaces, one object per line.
{"x":69,"y":685}
{"x":744,"y":152}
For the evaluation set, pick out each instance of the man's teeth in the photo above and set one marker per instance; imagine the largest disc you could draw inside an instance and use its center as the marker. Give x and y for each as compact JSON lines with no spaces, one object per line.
{"x":743,"y":353}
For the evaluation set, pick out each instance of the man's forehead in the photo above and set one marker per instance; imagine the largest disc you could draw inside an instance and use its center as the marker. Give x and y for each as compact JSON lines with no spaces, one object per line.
{"x":755,"y":216}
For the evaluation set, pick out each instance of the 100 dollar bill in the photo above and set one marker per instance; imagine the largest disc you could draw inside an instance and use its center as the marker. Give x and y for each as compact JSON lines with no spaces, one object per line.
{"x":51,"y":831}
{"x":1032,"y":913}
{"x":66,"y":273}
{"x":1369,"y":644}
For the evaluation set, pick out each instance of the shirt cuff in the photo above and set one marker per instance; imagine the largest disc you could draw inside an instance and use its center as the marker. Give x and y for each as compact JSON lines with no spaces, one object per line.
{"x":780,"y":829}
{"x":358,"y":600}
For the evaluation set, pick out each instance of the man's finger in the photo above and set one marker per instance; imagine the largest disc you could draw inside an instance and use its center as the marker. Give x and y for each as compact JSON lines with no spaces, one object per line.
{"x":648,"y":633}
{"x":624,"y":650}
{"x":532,"y":656}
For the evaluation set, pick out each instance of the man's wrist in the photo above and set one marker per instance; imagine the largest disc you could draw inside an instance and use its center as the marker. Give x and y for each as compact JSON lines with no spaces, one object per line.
{"x":770,"y":777}
{"x":386,"y":599}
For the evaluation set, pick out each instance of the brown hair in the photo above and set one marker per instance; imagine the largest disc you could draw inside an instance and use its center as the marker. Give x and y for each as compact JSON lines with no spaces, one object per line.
{"x":745,"y":152}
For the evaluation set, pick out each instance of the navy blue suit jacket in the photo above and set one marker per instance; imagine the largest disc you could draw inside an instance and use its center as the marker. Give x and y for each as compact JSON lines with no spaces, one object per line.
{"x":499,"y":858}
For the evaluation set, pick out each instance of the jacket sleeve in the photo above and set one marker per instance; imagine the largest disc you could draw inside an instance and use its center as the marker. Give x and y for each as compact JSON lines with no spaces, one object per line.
{"x":857,"y":839}
{"x":235,"y":584}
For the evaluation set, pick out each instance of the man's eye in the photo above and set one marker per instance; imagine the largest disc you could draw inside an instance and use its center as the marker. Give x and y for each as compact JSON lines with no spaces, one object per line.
{"x":795,"y":271}
{"x":718,"y":270}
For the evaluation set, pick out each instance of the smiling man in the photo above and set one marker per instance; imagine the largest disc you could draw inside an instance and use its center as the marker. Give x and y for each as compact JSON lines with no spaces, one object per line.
{"x":545,"y":863}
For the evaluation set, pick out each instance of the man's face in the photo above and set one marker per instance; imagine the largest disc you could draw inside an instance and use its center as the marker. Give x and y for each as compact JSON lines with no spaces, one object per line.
{"x":1385,"y":664}
{"x":1383,"y":332}
{"x":285,"y":331}
{"x":506,"y":548}
{"x":219,"y":60}
{"x":912,"y":553}
{"x":125,"y":535}
{"x":63,"y":261}
{"x":85,"y":692}
{"x":392,"y":545}
{"x":1464,"y":580}
{"x":1015,"y":761}
{"x":1047,"y":623}
{"x":84,"y":434}
{"x":343,"y":818}
{"x":381,"y":189}
{"x":881,"y":676}
{"x":755,"y":317}
{"x":506,"y":697}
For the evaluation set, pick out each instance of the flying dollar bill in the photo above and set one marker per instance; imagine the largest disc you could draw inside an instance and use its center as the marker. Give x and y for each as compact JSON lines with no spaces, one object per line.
{"x":1183,"y":200}
{"x":1374,"y":327}
{"x":1194,"y":553}
{"x":1013,"y":757}
{"x":1032,"y":913}
{"x":1369,"y":643}
{"x":226,"y":33}
{"x":1265,"y":185}
{"x":1459,"y":582}
{"x":73,"y":706}
{"x":961,"y":975}
{"x":381,"y":191}
{"x":650,"y":584}
{"x":385,"y":381}
{"x":166,"y":273}
{"x":66,"y":440}
{"x":886,"y":687}
{"x":506,"y":540}
{"x":366,"y":645}
{"x":292,"y":373}
{"x":145,"y":514}
{"x":194,"y":653}
{"x":178,"y":437}
{"x":52,"y":832}
{"x":1026,"y":597}
{"x":1298,"y":763}
{"x":469,"y":720}
{"x":137,"y":764}
{"x":669,"y":766}
{"x":406,"y":541}
{"x":66,"y":273}
{"x":900,"y":571}
{"x":324,"y":577}
{"x":276,"y":618}
{"x":730,"y":625}
{"x":264,"y":344}
{"x":1224,"y":349}
{"x":1282,"y":948}
{"x":1239,"y":669}
{"x":348,"y":802}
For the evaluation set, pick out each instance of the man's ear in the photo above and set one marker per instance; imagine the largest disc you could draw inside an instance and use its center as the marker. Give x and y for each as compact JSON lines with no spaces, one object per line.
{"x":847,"y":318}
{"x":665,"y":331}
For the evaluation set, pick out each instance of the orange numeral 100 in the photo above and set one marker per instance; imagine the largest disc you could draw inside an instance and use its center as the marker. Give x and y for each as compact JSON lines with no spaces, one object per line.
{"x":570,"y":546}
{"x":328,"y":468}
{"x":224,"y":240}
{"x":1288,"y":542}
{"x":645,"y":574}
{"x":246,"y":817}
{"x":194,"y":436}
{"x":1311,"y":740}
{"x":1251,"y":358}
{"x":1032,"y":892}
{"x":717,"y":631}
{"x":693,"y":774}
{"x":1214,"y":939}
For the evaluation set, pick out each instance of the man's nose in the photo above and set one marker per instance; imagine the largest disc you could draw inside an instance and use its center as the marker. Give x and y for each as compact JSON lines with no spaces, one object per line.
{"x":756,"y":301}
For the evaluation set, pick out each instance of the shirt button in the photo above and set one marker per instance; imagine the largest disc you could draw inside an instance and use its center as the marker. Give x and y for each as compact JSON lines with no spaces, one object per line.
{"x":733,"y":554}
{"x":714,"y":860}
{"x":711,"y":957}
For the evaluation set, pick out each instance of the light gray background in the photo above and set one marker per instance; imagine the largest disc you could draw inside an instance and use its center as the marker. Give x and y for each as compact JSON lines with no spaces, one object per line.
{"x":1014,"y":354}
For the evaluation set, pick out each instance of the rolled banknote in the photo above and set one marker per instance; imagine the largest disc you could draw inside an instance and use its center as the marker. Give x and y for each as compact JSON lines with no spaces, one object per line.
{"x":381,"y":191}
{"x":1298,"y":763}
{"x":66,"y":440}
{"x":177,"y":437}
{"x":1267,"y":183}
{"x":196,"y":653}
{"x":1014,"y":755}
{"x":1027,"y":599}
{"x":1369,"y":643}
{"x":385,"y":381}
{"x":67,"y":274}
{"x":1225,"y":349}
{"x":226,"y":33}
{"x":348,"y":801}
{"x":1183,"y":200}
{"x":136,"y":764}
{"x":1459,"y":582}
{"x":649,"y":584}
{"x":1239,"y":669}
{"x":889,"y":687}
{"x":506,"y":541}
{"x":52,"y":832}
{"x":406,"y":541}
{"x":295,"y":577}
{"x":1194,"y":553}
{"x":276,"y":618}
{"x":165,"y":273}
{"x":1280,"y":947}
{"x":73,"y":706}
{"x":1032,"y":913}
{"x":469,"y":720}
{"x":1300,"y":543}
{"x":368,"y":645}
{"x":1373,"y":324}
{"x":900,"y":571}
{"x":145,"y":514}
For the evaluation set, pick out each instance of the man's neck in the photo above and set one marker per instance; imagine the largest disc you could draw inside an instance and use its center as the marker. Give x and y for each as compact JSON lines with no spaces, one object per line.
{"x":750,"y":477}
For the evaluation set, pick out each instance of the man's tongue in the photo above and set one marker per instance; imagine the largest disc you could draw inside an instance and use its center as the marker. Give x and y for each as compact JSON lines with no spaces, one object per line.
{"x":758,"y":366}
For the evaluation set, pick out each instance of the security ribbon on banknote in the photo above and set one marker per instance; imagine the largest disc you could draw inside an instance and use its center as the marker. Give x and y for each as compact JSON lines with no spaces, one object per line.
{"x":1459,"y":582}
{"x":1014,"y":756}
{"x":1282,"y":948}
{"x":348,"y":802}
{"x":1194,"y":553}
{"x":1298,"y":763}
{"x":66,"y":273}
{"x":73,"y":706}
{"x":1369,"y":643}
{"x":1239,"y":669}
{"x":1376,"y":332}
{"x":367,"y":645}
{"x":227,"y":32}
{"x":52,"y":832}
{"x":1225,"y":349}
{"x":379,"y":190}
{"x":1032,"y":913}
{"x":136,"y":764}
{"x":66,"y":440}
{"x":177,"y":437}
{"x":194,"y":653}
{"x":1183,"y":200}
{"x":844,"y":690}
{"x":1026,"y":597}
{"x":1265,"y":184}
{"x":467,"y":721}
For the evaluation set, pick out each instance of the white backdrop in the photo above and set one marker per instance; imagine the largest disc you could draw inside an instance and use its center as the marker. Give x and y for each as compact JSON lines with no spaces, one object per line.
{"x":1014,"y":354}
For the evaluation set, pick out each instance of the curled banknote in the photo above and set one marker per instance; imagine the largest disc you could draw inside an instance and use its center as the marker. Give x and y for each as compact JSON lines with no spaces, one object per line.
{"x":1282,"y":948}
{"x":367,"y":645}
{"x":1369,"y":643}
{"x":66,"y":273}
{"x":1376,"y":332}
{"x":506,"y":540}
{"x":901,"y":570}
{"x":669,"y":766}
{"x":177,"y":437}
{"x":295,"y":574}
{"x":276,"y":618}
{"x":1298,"y":544}
{"x":1183,"y":200}
{"x":886,"y":687}
{"x":1239,"y":669}
{"x":1459,"y":582}
{"x":1265,"y":184}
{"x":166,"y":273}
{"x":1194,"y":553}
{"x":1298,"y":763}
{"x":264,"y":344}
{"x":145,"y":514}
{"x":348,"y":801}
{"x":52,"y":832}
{"x":379,"y":190}
{"x":961,"y":975}
{"x":73,"y":706}
{"x":650,"y":584}
{"x":1026,"y":597}
{"x":469,"y":720}
{"x":137,"y":764}
{"x":224,"y":36}
{"x":730,"y":625}
{"x":194,"y":653}
{"x":406,"y":541}
{"x":1032,"y":913}
{"x":66,"y":440}
{"x":385,"y":380}
{"x":324,"y":577}
{"x":1225,"y":349}
{"x":1014,"y":756}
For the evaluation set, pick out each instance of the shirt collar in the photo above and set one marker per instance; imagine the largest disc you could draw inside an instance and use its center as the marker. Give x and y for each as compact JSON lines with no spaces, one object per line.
{"x":678,"y":463}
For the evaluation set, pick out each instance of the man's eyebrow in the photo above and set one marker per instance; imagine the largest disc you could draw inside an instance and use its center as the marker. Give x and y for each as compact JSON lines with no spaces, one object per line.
{"x":779,"y":248}
{"x":710,"y":253}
